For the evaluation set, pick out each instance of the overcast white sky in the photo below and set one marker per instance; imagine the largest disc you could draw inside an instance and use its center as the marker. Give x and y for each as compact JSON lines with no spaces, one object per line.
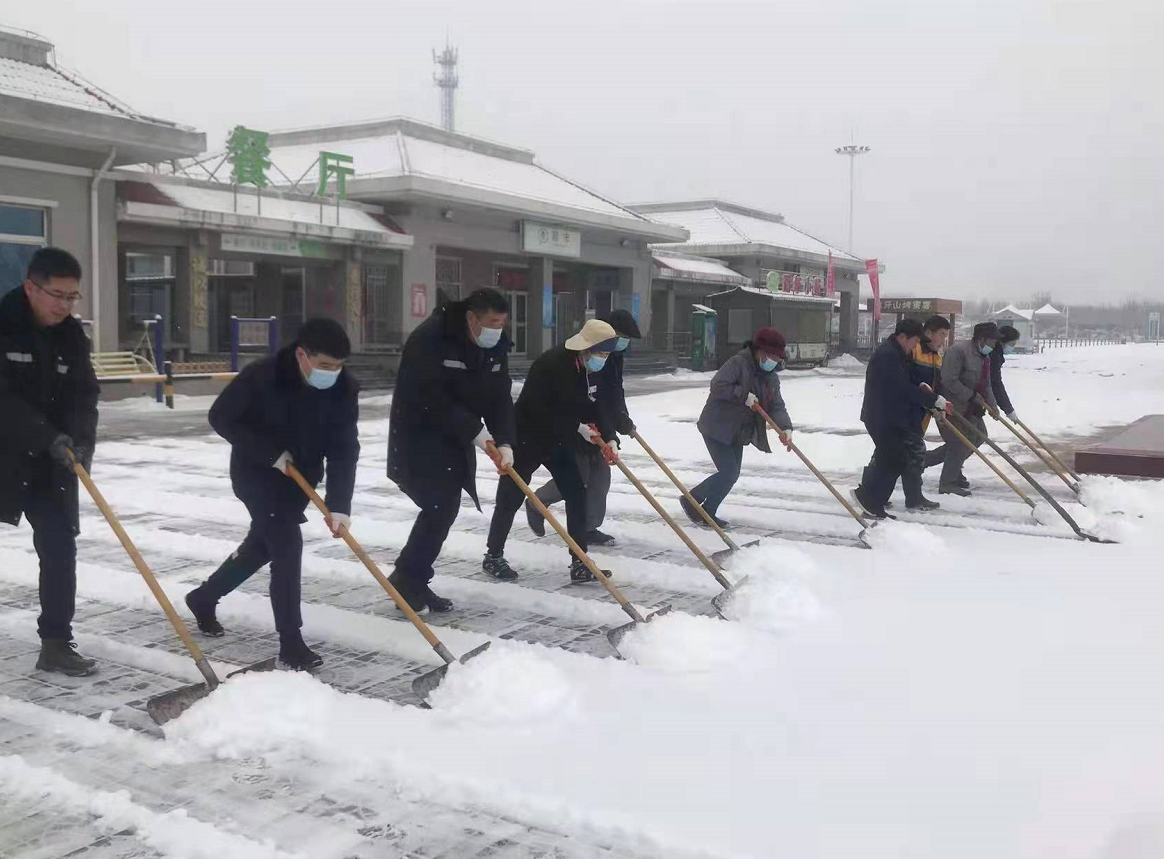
{"x":1018,"y":145}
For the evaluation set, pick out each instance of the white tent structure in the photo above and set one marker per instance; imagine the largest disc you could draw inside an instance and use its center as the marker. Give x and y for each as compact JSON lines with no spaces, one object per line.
{"x":1047,"y":310}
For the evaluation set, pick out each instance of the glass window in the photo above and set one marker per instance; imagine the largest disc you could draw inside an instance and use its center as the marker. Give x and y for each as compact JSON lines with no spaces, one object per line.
{"x":14,"y":261}
{"x":22,"y":221}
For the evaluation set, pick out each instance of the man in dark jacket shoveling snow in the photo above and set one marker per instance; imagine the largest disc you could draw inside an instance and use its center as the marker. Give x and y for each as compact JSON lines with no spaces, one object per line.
{"x":48,"y":397}
{"x":453,"y":393}
{"x":558,"y":420}
{"x":729,"y":421}
{"x":595,"y":471}
{"x":891,"y":411}
{"x":297,"y":407}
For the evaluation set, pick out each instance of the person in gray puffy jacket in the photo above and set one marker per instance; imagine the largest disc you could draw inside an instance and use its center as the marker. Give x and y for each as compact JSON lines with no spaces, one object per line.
{"x":730,"y":422}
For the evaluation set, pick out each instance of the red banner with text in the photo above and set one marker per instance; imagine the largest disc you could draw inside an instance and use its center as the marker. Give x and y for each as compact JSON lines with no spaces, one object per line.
{"x":875,"y":285}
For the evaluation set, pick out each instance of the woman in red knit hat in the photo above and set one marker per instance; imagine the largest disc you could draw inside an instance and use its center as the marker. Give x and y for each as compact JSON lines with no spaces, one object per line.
{"x":730,"y":421}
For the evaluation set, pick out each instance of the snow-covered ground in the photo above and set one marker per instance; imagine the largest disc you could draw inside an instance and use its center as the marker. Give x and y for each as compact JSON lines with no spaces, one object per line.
{"x":976,"y":685}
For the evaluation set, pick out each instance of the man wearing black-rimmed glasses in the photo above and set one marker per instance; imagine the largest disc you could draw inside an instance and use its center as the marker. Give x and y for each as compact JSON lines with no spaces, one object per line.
{"x":48,"y":399}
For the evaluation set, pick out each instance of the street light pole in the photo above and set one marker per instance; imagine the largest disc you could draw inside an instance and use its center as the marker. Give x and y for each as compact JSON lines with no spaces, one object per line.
{"x":852,"y":151}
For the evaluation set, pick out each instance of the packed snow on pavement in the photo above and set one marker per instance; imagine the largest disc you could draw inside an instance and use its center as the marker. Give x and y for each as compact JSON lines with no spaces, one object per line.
{"x":978,"y":684}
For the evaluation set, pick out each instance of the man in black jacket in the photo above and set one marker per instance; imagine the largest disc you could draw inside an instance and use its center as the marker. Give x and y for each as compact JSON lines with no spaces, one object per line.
{"x":453,"y":392}
{"x":558,"y":420}
{"x":891,"y":413}
{"x":592,"y":466}
{"x":298,"y":407}
{"x":48,"y":398}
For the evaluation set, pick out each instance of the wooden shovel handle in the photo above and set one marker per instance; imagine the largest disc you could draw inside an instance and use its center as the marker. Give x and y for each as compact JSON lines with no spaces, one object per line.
{"x":690,"y":498}
{"x":400,"y":601}
{"x":970,"y":445}
{"x":828,"y":484}
{"x":703,"y":559}
{"x":146,"y":573}
{"x":1042,"y":457}
{"x":1050,"y":452}
{"x":574,"y":547}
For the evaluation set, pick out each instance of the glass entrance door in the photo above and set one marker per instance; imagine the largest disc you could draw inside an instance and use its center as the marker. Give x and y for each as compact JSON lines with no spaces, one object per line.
{"x":519,"y":321}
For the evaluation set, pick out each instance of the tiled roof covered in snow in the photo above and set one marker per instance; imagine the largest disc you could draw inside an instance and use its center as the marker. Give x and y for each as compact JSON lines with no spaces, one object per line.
{"x":714,"y":223}
{"x":405,"y":149}
{"x":697,"y":268}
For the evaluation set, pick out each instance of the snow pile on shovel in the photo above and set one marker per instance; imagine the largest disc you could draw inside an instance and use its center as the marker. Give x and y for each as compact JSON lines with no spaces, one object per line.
{"x":504,"y":685}
{"x":906,"y":538}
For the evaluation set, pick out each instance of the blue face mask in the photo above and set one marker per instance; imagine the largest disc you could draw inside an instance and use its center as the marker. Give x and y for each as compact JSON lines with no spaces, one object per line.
{"x":488,"y":338}
{"x":984,"y":350}
{"x":768,"y":365}
{"x":622,"y":343}
{"x":595,"y":363}
{"x":322,"y":379}
{"x":1007,"y":349}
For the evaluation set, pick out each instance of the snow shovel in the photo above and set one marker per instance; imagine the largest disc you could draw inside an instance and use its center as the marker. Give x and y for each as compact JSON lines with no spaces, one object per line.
{"x":615,"y":635}
{"x":1047,"y":461}
{"x":943,"y":419}
{"x":1050,"y":452}
{"x":1034,"y":483}
{"x":863,"y":536}
{"x":720,"y":556}
{"x":425,"y":683}
{"x":715,"y":571}
{"x":169,"y":705}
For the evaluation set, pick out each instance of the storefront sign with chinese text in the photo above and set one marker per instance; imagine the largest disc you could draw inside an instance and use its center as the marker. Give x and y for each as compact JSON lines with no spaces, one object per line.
{"x":550,"y":239}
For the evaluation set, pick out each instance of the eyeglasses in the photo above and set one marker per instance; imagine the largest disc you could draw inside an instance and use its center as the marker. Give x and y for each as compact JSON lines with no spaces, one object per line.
{"x":63,"y":297}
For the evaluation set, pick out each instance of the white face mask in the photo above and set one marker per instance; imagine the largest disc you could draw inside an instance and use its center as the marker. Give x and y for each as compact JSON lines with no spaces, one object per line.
{"x":488,"y":338}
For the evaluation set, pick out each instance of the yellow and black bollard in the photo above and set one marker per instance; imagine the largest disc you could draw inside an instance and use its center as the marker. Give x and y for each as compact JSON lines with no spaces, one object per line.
{"x":169,"y":385}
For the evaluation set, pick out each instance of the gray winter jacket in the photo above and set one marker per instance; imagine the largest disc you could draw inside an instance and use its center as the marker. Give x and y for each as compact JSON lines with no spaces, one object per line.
{"x":726,"y":419}
{"x":962,"y":371}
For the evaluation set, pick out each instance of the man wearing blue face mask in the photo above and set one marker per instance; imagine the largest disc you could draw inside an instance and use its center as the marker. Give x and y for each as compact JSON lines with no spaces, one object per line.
{"x":453,"y":394}
{"x":966,"y":384}
{"x":595,"y":472}
{"x":559,"y":424}
{"x":298,"y":406}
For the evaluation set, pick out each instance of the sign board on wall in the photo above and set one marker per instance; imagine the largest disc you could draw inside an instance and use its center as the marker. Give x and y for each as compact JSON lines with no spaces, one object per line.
{"x":635,"y":304}
{"x":274,"y":245}
{"x":418,"y":305}
{"x":550,"y":239}
{"x":548,"y":306}
{"x":795,"y":284}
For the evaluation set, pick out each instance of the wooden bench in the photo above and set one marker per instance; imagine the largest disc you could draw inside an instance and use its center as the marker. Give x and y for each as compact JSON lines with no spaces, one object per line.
{"x":107,"y":364}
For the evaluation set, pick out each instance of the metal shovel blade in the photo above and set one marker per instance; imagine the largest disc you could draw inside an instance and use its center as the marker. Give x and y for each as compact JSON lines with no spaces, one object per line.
{"x":267,"y":664}
{"x":724,"y":556}
{"x":170,"y":705}
{"x":721,"y":600}
{"x":619,"y":632}
{"x":425,"y":683}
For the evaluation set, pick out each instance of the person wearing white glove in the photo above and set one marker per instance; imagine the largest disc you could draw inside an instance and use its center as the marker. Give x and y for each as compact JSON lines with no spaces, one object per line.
{"x":751,"y":400}
{"x":1012,"y":416}
{"x":942,"y":404}
{"x":282,"y":462}
{"x":270,"y":415}
{"x":453,"y":394}
{"x":588,"y":432}
{"x":335,"y":521}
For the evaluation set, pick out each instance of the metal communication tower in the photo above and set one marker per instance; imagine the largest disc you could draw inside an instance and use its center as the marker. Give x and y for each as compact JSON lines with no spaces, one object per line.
{"x":446,"y":78}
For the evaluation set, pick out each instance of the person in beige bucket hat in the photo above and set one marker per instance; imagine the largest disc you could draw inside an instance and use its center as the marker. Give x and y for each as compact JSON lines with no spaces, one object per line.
{"x":559,"y":422}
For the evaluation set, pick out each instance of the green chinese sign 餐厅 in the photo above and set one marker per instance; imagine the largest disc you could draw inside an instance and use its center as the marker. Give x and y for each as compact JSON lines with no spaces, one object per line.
{"x":338,"y":166}
{"x":249,"y":156}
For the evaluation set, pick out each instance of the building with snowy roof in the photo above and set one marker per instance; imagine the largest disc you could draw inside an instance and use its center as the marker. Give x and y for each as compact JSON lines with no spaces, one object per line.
{"x":759,"y":246}
{"x":474,"y":212}
{"x":59,"y":136}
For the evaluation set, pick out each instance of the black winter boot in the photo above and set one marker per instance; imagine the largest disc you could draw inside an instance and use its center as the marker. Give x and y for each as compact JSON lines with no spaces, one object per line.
{"x":580,"y":573}
{"x":953,"y":489}
{"x":60,"y":656}
{"x":436,"y":603}
{"x":203,"y":611}
{"x":498,"y":567}
{"x":923,"y":504}
{"x":599,"y":538}
{"x":295,"y":655}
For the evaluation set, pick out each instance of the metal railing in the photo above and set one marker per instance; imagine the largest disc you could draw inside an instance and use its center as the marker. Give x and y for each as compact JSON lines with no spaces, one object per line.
{"x":1061,"y":342}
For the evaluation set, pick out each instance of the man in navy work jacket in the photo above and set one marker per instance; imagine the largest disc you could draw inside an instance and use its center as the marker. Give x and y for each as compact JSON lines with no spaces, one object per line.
{"x":453,"y":393}
{"x":891,"y":412}
{"x":300,"y":407}
{"x":48,"y":399}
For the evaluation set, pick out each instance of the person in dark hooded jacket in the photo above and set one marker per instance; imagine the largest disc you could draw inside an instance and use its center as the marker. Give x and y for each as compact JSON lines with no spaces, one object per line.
{"x":299,"y":407}
{"x":1008,"y":335}
{"x":48,"y":397}
{"x":729,"y":422}
{"x":453,"y":393}
{"x":595,"y":472}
